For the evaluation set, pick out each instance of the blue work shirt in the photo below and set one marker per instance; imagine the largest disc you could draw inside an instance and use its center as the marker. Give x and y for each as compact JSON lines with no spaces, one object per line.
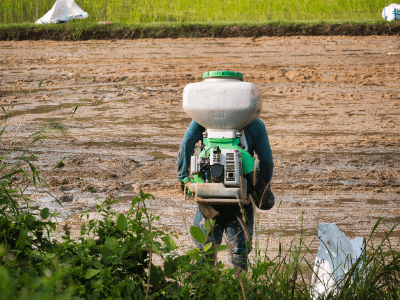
{"x":257,"y":142}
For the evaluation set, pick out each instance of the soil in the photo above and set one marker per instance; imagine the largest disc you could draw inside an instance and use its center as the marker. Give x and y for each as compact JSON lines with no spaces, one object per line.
{"x":331,"y":106}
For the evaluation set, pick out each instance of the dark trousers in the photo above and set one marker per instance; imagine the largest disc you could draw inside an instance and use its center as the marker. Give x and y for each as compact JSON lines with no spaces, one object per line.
{"x":238,"y":234}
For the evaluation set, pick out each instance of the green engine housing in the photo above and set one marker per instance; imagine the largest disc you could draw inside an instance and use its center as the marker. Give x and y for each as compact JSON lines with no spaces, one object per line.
{"x":247,"y":161}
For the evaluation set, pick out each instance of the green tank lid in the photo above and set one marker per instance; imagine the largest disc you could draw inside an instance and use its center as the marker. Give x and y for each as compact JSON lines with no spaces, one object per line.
{"x":223,"y":74}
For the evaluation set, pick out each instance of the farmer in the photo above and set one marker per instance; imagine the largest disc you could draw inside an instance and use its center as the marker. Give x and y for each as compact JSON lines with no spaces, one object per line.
{"x":231,"y":219}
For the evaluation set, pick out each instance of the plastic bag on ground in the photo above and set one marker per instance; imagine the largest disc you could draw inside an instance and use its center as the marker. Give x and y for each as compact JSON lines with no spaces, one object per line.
{"x":63,"y":11}
{"x":391,"y":12}
{"x":336,"y":255}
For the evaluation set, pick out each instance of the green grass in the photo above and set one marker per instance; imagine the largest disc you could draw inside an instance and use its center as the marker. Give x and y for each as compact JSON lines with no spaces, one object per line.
{"x":145,"y":11}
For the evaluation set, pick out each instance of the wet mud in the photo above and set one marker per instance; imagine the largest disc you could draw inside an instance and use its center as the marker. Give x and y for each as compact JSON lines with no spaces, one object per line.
{"x":331,"y":106}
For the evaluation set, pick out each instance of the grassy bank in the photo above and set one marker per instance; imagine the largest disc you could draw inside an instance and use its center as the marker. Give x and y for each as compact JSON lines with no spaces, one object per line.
{"x":133,"y":11}
{"x":80,"y":30}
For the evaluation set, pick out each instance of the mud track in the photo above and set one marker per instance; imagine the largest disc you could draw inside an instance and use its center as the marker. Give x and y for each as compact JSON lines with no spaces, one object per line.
{"x":331,"y":106}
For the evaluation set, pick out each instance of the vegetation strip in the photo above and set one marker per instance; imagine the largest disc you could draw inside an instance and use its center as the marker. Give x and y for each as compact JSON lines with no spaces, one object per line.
{"x":148,"y":11}
{"x":74,"y":31}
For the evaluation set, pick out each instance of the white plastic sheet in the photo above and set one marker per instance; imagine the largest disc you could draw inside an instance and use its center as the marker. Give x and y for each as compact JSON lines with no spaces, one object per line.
{"x":63,"y":11}
{"x":391,"y":12}
{"x":336,"y":255}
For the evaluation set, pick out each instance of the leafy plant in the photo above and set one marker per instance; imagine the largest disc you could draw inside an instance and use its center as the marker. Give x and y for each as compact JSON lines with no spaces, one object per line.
{"x":113,"y":253}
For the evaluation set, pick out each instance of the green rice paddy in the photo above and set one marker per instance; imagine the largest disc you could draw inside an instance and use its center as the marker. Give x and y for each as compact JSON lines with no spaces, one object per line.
{"x":148,"y":11}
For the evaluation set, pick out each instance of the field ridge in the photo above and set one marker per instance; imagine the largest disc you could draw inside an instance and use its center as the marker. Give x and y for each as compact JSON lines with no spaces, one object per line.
{"x":91,"y":31}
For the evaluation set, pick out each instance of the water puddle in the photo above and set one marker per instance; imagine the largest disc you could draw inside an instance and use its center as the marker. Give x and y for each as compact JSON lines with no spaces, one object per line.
{"x":14,"y":92}
{"x":70,"y":87}
{"x":157,"y":121}
{"x":128,"y":144}
{"x":346,"y":200}
{"x":191,"y":58}
{"x":377,"y":202}
{"x":175,"y":121}
{"x":377,"y":235}
{"x":42,"y":109}
{"x":266,"y":96}
{"x":30,"y":158}
{"x":291,"y":232}
{"x":261,"y":52}
{"x":221,"y":44}
{"x":265,"y":118}
{"x":125,"y":198}
{"x":329,"y":133}
{"x":160,"y":155}
{"x":394,"y":219}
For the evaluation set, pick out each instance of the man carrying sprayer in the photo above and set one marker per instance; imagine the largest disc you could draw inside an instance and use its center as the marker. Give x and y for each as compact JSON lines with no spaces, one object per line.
{"x":224,"y":178}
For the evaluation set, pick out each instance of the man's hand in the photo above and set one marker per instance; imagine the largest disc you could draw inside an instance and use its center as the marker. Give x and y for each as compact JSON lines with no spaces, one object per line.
{"x":181,"y":186}
{"x":185,"y":182}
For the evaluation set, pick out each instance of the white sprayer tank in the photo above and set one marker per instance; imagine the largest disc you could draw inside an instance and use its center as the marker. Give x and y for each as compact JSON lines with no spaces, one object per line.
{"x":222,"y":101}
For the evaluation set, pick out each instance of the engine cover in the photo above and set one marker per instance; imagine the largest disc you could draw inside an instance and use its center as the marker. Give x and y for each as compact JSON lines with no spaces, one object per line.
{"x":231,"y":160}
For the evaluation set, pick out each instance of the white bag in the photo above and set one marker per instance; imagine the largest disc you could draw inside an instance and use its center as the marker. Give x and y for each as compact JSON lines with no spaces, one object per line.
{"x":63,"y":11}
{"x":391,"y":12}
{"x":336,"y":255}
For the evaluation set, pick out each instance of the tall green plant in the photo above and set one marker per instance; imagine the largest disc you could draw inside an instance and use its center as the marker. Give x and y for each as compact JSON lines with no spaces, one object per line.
{"x":112,"y":257}
{"x":133,"y":11}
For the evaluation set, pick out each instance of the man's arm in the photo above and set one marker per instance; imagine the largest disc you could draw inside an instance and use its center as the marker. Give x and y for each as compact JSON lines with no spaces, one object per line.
{"x":193,"y":134}
{"x":263,"y":150}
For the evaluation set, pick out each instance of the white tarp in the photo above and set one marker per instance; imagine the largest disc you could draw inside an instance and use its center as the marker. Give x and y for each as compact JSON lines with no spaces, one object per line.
{"x":391,"y":12}
{"x":63,"y":11}
{"x":336,"y":255}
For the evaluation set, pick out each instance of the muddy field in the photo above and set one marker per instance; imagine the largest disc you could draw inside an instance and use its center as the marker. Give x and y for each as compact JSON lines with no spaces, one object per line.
{"x":331,"y":106}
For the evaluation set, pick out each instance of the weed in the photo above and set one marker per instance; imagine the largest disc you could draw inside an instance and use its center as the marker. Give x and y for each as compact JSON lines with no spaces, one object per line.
{"x":55,"y":126}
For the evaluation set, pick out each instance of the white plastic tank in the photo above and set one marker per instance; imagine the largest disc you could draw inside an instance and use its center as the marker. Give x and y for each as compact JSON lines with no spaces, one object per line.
{"x":222,"y":101}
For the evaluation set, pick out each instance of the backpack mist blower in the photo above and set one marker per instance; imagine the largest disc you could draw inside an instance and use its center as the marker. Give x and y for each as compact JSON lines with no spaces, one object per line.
{"x":224,"y":104}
